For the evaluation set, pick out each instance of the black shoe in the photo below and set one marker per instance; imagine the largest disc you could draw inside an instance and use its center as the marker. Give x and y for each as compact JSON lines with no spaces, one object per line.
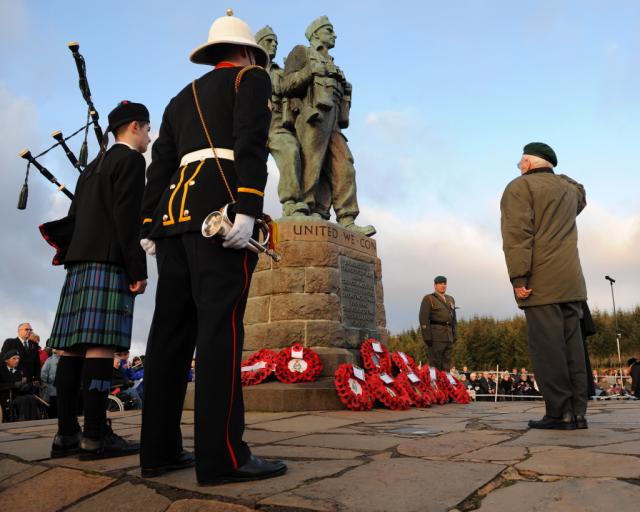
{"x":254,"y":469}
{"x":182,"y":461}
{"x":110,"y":445}
{"x":63,"y":446}
{"x":581,"y":421}
{"x":566,"y":422}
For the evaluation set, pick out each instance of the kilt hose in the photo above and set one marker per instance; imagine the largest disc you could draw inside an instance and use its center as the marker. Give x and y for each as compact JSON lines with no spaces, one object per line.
{"x":95,"y":308}
{"x":200,"y":303}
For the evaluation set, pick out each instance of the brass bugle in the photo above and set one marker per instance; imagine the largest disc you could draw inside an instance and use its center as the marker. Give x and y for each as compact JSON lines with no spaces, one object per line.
{"x":57,"y":135}
{"x":218,"y":224}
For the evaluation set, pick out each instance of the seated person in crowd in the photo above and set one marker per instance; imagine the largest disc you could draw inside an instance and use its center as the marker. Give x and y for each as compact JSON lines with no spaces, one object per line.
{"x":506,"y":385}
{"x":122,"y":386}
{"x":16,"y":392}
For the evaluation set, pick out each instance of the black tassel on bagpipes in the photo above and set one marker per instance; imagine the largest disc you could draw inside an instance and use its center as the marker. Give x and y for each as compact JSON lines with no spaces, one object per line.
{"x":79,"y":162}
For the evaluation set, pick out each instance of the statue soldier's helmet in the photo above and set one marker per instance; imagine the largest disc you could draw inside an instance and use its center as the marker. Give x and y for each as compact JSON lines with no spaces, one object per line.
{"x":224,"y":31}
{"x":264,"y":33}
{"x":315,"y":25}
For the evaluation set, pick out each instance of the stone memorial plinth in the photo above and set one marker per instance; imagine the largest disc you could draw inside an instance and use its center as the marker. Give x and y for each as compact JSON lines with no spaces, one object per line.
{"x":325,"y":293}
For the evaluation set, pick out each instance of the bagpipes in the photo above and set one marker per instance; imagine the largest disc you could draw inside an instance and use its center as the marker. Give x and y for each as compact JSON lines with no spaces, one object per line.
{"x":81,"y":161}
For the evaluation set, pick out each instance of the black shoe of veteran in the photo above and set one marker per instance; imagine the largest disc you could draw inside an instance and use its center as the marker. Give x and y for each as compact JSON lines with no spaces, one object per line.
{"x":110,"y":445}
{"x":581,"y":421}
{"x":254,"y":469}
{"x":63,"y":446}
{"x":566,"y":422}
{"x":181,"y":461}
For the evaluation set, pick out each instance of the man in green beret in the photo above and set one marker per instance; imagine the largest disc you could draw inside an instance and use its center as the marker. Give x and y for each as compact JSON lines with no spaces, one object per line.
{"x":438,"y":324}
{"x":540,"y":243}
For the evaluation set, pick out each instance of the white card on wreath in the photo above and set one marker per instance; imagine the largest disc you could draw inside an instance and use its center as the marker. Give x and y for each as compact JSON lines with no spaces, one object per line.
{"x":376,"y":347}
{"x":451,"y":379}
{"x":432,"y":374}
{"x":404,"y":357}
{"x":413,"y":377}
{"x":358,"y":372}
{"x":386,"y":378}
{"x":297,"y":354}
{"x":257,"y":366}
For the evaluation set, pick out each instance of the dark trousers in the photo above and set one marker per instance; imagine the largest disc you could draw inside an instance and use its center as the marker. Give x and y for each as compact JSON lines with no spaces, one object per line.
{"x":557,"y":354}
{"x":200,"y":302}
{"x":440,"y":355}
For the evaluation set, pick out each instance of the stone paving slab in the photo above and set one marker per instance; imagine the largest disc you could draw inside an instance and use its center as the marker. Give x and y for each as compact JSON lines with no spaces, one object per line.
{"x":592,"y":436}
{"x":125,"y":497}
{"x":570,"y":495}
{"x":448,"y":457}
{"x":451,"y":444}
{"x":38,"y":448}
{"x":306,"y":423}
{"x":406,"y":485}
{"x":303,"y":452}
{"x":355,"y":441}
{"x":582,"y":463}
{"x":299,"y":472}
{"x":52,"y":494}
{"x":194,"y":505}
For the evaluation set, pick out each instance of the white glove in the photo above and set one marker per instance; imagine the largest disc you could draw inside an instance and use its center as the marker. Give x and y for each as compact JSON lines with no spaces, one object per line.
{"x":239,"y":236}
{"x":149,"y":246}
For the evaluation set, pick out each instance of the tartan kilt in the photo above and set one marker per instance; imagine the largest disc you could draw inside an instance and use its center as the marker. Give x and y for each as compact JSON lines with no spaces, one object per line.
{"x":95,"y":308}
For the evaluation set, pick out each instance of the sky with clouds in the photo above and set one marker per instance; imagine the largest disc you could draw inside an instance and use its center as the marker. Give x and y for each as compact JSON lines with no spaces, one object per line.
{"x":446,"y":93}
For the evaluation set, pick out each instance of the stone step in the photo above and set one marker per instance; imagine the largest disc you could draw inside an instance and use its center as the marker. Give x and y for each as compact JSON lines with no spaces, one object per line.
{"x":275,"y":396}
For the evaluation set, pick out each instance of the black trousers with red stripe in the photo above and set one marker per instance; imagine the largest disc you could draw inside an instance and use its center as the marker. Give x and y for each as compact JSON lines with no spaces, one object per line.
{"x":200,"y":302}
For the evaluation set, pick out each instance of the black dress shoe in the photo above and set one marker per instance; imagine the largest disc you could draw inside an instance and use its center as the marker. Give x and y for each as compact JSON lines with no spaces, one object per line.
{"x":254,"y":469}
{"x":581,"y":421}
{"x":110,"y":445}
{"x":183,"y":460}
{"x":566,"y":422}
{"x":63,"y":445}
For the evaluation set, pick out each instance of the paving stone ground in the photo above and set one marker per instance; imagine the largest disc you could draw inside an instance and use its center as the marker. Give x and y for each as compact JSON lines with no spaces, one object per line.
{"x":480,"y":456}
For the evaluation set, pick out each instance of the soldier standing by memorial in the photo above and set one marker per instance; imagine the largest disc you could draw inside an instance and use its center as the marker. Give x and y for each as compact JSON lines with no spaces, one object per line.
{"x":325,"y":100}
{"x":438,"y":324}
{"x":283,"y":143}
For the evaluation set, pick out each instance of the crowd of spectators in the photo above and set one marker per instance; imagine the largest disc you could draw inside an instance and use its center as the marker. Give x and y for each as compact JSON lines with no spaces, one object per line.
{"x":518,"y":384}
{"x":28,"y":373}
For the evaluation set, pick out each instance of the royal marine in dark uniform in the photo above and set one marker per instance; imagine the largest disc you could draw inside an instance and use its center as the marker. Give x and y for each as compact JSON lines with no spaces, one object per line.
{"x":438,"y":324}
{"x":211,"y":151}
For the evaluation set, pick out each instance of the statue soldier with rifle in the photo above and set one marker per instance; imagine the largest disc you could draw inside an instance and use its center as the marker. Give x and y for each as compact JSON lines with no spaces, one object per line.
{"x":324,"y":95}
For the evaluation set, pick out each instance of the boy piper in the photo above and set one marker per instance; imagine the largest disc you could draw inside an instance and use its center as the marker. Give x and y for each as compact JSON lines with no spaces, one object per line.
{"x":105,"y":270}
{"x":211,"y":151}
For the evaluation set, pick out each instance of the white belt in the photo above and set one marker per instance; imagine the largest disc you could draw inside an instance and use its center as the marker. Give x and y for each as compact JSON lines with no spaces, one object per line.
{"x":203,"y":154}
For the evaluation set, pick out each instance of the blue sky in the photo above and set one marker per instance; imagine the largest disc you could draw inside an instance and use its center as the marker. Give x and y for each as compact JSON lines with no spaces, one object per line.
{"x":445,"y":95}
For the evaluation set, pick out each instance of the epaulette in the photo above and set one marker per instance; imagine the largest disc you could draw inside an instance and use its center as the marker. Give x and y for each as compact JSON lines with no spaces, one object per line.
{"x":243,"y":71}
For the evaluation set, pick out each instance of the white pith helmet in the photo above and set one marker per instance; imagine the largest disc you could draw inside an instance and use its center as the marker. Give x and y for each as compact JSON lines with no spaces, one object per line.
{"x":228,"y":30}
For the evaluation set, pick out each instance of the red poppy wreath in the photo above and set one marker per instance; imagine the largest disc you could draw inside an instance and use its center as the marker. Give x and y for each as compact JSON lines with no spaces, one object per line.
{"x":455,"y":389}
{"x":352,"y":387}
{"x":404,"y":362}
{"x":420,"y":393}
{"x":430,"y":376}
{"x":258,"y":367}
{"x":388,"y":392}
{"x":297,"y":364}
{"x":375,"y":356}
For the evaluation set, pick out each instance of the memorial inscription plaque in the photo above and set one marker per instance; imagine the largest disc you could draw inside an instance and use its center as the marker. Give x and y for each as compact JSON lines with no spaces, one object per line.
{"x":358,"y":293}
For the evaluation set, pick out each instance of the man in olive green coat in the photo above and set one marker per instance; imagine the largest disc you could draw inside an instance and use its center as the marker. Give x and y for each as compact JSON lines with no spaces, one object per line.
{"x":540,"y":243}
{"x":438,"y":324}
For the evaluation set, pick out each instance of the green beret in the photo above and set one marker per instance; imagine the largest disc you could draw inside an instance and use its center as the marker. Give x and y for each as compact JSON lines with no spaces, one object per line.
{"x":440,"y":279}
{"x":541,"y":150}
